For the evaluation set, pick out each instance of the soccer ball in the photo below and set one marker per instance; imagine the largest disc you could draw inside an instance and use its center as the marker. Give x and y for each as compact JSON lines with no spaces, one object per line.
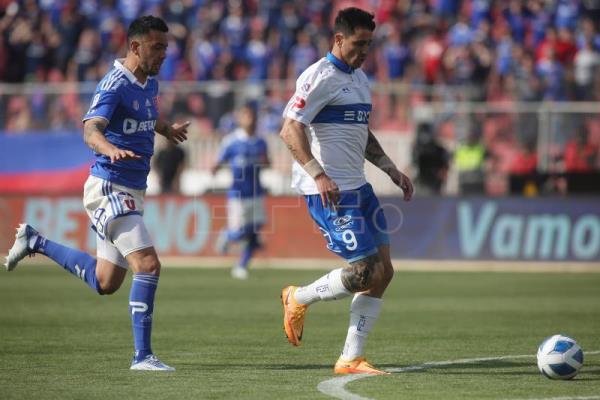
{"x":559,"y":357}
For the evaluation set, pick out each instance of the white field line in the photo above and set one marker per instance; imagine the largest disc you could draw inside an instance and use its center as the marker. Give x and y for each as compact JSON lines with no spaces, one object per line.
{"x":335,"y":387}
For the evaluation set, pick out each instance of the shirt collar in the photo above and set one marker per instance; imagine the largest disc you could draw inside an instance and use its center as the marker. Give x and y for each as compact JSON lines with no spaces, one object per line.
{"x":118,"y":64}
{"x":342,"y":66}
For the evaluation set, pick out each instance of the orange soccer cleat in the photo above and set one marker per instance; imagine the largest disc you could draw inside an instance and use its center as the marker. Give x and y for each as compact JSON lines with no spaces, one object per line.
{"x":359,"y":365}
{"x":293,"y":315}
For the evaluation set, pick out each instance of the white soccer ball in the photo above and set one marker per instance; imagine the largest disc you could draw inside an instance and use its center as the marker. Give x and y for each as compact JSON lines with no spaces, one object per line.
{"x":559,"y":357}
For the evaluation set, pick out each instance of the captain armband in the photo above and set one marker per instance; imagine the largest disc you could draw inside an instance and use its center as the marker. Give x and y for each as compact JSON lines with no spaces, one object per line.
{"x":313,"y":168}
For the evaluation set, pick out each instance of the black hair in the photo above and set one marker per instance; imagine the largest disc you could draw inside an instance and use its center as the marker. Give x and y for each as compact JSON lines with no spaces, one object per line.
{"x":351,"y":18}
{"x":143,"y":25}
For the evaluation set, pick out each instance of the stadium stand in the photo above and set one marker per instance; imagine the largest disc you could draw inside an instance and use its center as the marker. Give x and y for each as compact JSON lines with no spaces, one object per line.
{"x":430,"y":55}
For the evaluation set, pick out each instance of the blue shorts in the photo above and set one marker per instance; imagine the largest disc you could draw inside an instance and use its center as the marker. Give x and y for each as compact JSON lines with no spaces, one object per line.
{"x":357,"y":228}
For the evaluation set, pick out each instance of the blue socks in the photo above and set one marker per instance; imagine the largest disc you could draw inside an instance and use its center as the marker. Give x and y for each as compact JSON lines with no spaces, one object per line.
{"x":248,"y":250}
{"x":141,"y":306}
{"x":141,"y":297}
{"x":78,"y":263}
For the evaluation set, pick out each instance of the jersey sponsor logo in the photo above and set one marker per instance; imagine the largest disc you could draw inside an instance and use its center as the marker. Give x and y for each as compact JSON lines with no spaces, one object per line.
{"x":358,"y":113}
{"x":346,"y":90}
{"x":131,"y":126}
{"x":299,"y":102}
{"x":305,"y":88}
{"x":358,"y":116}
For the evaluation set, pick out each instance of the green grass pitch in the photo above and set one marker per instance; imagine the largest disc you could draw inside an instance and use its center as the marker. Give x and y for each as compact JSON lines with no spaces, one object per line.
{"x":58,"y":340}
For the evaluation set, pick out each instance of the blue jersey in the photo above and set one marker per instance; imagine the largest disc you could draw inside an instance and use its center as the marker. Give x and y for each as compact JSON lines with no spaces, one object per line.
{"x":131,"y":111}
{"x":245,"y":154}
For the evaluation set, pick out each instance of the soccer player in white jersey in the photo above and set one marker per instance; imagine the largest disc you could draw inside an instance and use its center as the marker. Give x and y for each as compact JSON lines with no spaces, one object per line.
{"x":119,"y":127}
{"x":326,"y":129}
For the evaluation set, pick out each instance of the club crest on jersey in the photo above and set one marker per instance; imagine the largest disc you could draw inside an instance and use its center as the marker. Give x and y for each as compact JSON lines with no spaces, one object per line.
{"x":128,"y":200}
{"x":299,"y":102}
{"x":136,"y":105}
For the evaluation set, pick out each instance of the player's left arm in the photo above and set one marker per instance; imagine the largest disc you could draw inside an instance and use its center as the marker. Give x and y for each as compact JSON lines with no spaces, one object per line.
{"x":176,"y":133}
{"x":375,"y":154}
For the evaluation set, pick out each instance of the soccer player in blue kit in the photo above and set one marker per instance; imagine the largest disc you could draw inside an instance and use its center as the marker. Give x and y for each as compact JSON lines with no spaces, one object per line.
{"x":119,"y":127}
{"x":326,"y":130}
{"x":247,"y":155}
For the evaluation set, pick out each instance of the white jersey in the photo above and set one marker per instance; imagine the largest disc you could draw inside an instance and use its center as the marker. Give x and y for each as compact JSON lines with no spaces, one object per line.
{"x":334,"y":103}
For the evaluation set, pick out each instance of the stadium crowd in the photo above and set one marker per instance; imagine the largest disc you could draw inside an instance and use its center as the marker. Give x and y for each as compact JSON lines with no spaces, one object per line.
{"x":424,"y":51}
{"x":550,"y":48}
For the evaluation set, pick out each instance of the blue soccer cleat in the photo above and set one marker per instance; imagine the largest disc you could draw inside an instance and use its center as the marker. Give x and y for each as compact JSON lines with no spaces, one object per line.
{"x":20,"y":249}
{"x":151,"y":363}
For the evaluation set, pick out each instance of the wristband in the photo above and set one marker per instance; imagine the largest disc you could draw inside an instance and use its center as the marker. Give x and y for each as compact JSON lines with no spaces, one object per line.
{"x":313,"y":168}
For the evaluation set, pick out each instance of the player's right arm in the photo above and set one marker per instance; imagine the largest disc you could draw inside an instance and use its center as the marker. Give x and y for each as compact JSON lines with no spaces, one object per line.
{"x":292,"y":133}
{"x":93,"y":135}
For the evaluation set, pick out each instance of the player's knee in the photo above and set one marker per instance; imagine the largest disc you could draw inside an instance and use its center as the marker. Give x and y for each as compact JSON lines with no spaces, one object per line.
{"x":149,"y":265}
{"x":388,"y":274}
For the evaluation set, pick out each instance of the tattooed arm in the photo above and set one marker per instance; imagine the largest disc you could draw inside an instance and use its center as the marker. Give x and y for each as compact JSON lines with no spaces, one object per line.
{"x":93,"y":135}
{"x":292,"y":133}
{"x":375,"y":154}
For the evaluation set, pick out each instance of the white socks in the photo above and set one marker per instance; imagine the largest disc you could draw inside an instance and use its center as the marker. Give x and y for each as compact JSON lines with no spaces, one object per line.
{"x":327,"y":287}
{"x":364,"y":311}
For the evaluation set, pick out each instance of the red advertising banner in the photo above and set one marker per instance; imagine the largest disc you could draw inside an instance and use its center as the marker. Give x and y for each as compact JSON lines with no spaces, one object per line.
{"x":180,"y":226}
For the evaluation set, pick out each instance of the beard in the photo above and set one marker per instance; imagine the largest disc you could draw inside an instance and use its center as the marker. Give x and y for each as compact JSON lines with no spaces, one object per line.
{"x":150,"y":70}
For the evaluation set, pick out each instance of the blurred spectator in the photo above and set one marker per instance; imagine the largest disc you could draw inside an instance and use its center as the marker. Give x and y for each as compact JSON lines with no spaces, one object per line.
{"x":169,"y":162}
{"x":552,"y":74}
{"x":581,"y":164}
{"x":431,"y":160}
{"x":525,"y":161}
{"x":580,"y":154}
{"x":19,"y":114}
{"x":588,"y":33}
{"x":87,"y":55}
{"x":302,"y":54}
{"x":469,"y":160}
{"x":587,"y":63}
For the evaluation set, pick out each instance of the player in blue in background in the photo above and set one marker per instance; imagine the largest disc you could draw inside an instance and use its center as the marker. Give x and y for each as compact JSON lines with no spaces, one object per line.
{"x":246,"y":154}
{"x":119,"y":127}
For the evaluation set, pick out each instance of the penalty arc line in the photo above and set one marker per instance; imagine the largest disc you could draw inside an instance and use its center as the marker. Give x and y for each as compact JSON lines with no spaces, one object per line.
{"x":335,"y":387}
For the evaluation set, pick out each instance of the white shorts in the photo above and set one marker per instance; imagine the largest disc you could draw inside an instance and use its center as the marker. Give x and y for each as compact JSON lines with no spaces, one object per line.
{"x":244,"y":212}
{"x":116,"y":215}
